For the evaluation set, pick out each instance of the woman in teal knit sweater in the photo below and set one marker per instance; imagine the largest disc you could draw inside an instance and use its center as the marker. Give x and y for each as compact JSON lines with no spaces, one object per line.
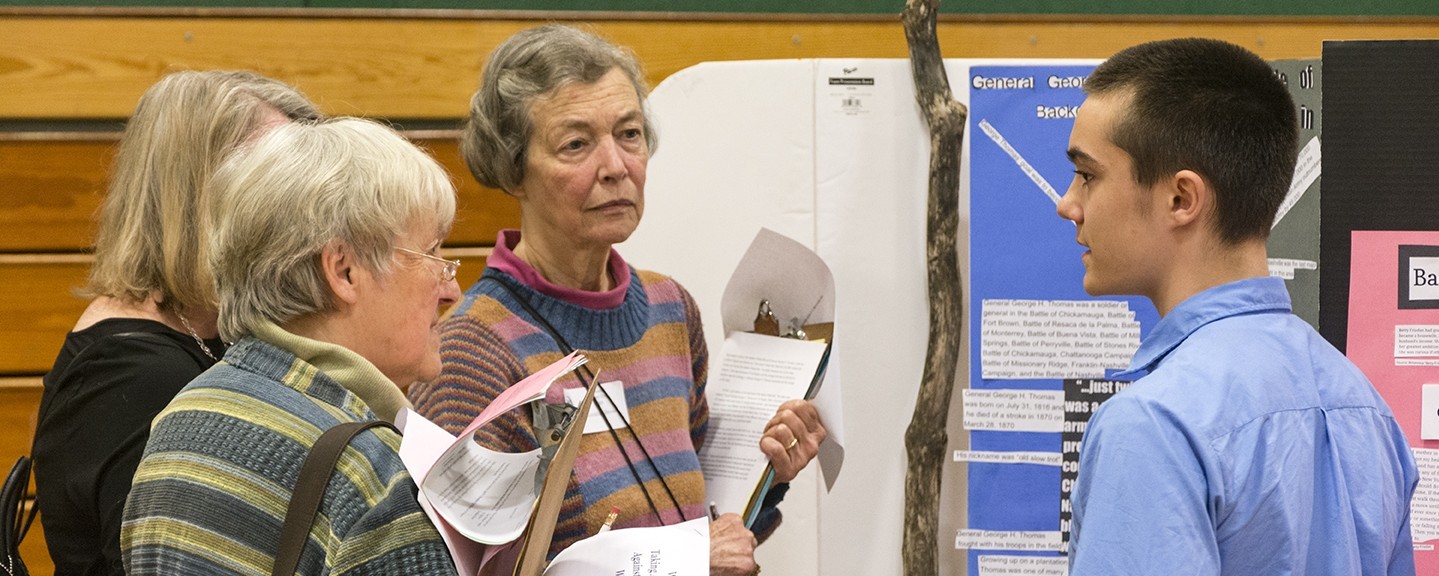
{"x":559,"y":123}
{"x":325,"y":263}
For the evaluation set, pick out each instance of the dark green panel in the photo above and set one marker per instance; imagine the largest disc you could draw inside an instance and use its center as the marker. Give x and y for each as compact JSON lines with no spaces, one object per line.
{"x":1136,"y":7}
{"x":353,"y":3}
{"x":163,"y":3}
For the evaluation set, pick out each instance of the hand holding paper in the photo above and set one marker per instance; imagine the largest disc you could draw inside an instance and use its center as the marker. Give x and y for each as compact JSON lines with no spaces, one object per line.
{"x":773,"y":401}
{"x":731,"y":547}
{"x":792,"y":438}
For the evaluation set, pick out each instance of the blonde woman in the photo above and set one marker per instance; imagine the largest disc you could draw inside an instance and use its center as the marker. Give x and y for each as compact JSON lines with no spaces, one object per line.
{"x":150,"y":327}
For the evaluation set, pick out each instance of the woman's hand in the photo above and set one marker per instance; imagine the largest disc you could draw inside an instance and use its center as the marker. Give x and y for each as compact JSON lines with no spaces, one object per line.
{"x":731,"y":547}
{"x":792,"y":438}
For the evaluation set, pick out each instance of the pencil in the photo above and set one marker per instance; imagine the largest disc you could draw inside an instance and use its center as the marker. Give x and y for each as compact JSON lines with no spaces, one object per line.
{"x":609,"y":520}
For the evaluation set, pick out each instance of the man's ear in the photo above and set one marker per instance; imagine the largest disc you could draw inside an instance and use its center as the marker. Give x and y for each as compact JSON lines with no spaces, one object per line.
{"x":1187,"y":198}
{"x":341,"y":271}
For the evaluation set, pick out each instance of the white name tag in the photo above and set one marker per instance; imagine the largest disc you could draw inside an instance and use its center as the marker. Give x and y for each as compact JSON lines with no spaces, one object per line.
{"x":620,"y":408}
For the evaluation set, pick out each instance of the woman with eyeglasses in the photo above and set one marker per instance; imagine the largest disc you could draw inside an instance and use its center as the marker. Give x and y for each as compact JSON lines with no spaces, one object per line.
{"x":325,"y":260}
{"x":559,"y":123}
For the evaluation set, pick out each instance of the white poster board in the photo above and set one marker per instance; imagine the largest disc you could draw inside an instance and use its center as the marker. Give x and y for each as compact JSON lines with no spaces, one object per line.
{"x":841,"y":166}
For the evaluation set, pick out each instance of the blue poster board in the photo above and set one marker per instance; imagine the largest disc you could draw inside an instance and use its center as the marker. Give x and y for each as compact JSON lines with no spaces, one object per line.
{"x":1020,"y":249}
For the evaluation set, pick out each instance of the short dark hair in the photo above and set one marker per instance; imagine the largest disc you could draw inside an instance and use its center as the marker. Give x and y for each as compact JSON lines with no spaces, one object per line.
{"x":1211,"y":107}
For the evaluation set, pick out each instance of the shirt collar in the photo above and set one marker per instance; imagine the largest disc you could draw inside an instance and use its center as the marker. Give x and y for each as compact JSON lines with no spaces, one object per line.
{"x":1247,"y":296}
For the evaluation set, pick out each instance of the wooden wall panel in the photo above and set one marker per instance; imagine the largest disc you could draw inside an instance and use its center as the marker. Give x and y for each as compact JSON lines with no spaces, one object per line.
{"x":96,"y":67}
{"x":39,"y":308}
{"x":19,"y":404}
{"x":480,"y":212}
{"x":51,"y":189}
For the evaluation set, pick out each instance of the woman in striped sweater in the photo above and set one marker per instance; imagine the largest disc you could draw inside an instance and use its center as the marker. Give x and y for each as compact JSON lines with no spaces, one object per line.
{"x":325,"y":267}
{"x":559,"y":123}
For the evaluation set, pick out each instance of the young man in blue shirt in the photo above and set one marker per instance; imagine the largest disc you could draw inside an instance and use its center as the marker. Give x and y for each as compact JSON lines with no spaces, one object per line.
{"x":1249,"y":445}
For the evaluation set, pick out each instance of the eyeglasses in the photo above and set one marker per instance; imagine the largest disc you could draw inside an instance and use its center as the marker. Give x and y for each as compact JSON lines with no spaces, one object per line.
{"x":447,"y":273}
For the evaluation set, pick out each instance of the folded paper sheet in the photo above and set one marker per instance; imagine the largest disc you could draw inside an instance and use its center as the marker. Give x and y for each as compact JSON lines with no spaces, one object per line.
{"x":753,"y":374}
{"x":471,"y":493}
{"x":678,"y":550}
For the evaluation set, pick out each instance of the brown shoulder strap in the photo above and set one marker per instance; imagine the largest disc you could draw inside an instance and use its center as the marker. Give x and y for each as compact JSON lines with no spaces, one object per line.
{"x":310,"y":490}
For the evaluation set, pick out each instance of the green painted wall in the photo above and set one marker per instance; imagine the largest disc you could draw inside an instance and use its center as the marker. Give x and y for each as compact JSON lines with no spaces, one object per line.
{"x":1143,"y":7}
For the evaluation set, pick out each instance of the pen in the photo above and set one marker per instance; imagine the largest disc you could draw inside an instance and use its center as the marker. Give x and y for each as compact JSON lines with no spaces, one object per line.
{"x":614,"y":513}
{"x":714,"y":512}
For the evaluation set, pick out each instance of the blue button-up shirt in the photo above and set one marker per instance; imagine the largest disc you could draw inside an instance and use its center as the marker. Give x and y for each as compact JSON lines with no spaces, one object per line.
{"x":1251,"y":447}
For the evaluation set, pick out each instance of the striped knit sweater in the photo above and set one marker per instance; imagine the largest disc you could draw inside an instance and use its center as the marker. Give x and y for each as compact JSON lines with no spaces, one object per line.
{"x":211,"y":491}
{"x":650,"y":339}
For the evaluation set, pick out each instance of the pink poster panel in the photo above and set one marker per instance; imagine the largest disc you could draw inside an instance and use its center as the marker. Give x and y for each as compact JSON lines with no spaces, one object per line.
{"x":1394,"y":339}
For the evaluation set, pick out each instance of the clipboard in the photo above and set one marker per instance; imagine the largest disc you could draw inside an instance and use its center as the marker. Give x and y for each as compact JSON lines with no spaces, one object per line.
{"x":534,"y":544}
{"x":756,"y":500}
{"x":767,"y":325}
{"x":777,"y":270}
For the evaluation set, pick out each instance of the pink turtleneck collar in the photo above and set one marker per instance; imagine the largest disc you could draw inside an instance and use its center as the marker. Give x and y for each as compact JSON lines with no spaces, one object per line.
{"x":503,"y":259}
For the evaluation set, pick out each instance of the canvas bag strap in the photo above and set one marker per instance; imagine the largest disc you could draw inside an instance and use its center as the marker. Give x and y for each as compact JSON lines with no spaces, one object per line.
{"x":310,"y":490}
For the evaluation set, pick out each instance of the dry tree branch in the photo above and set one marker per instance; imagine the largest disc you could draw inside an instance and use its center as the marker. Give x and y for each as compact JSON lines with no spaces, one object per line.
{"x":926,"y":440}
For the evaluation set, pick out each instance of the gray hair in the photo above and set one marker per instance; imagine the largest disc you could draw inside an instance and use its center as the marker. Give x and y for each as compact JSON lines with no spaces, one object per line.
{"x":280,"y":201}
{"x":524,"y":68}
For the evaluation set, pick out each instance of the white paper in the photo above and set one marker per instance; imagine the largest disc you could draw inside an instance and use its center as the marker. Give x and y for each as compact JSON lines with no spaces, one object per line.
{"x":800,"y":290}
{"x":1424,"y":507}
{"x":1416,"y":340}
{"x":421,"y":444}
{"x":486,"y":496}
{"x":1037,"y":541}
{"x":1029,"y":339}
{"x":677,"y":550}
{"x":752,"y":375}
{"x":1423,"y":278}
{"x":1040,"y":458}
{"x":1014,"y":410}
{"x":830,"y":405}
{"x":1306,"y":171}
{"x":1001,"y":565}
{"x":795,"y":281}
{"x":617,"y":412}
{"x":1285,"y":267}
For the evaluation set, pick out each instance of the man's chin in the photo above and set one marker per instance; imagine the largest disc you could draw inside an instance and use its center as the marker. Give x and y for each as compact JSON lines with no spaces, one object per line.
{"x":1095,"y":287}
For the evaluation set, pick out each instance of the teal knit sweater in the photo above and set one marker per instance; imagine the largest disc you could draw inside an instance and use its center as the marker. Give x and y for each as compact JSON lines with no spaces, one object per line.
{"x":211,"y":492}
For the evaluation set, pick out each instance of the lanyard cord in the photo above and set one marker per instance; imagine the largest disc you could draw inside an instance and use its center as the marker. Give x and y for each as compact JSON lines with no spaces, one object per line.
{"x":566,"y":348}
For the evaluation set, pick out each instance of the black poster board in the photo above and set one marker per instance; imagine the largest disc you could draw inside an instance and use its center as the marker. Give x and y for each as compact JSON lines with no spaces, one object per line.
{"x":1380,"y":155}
